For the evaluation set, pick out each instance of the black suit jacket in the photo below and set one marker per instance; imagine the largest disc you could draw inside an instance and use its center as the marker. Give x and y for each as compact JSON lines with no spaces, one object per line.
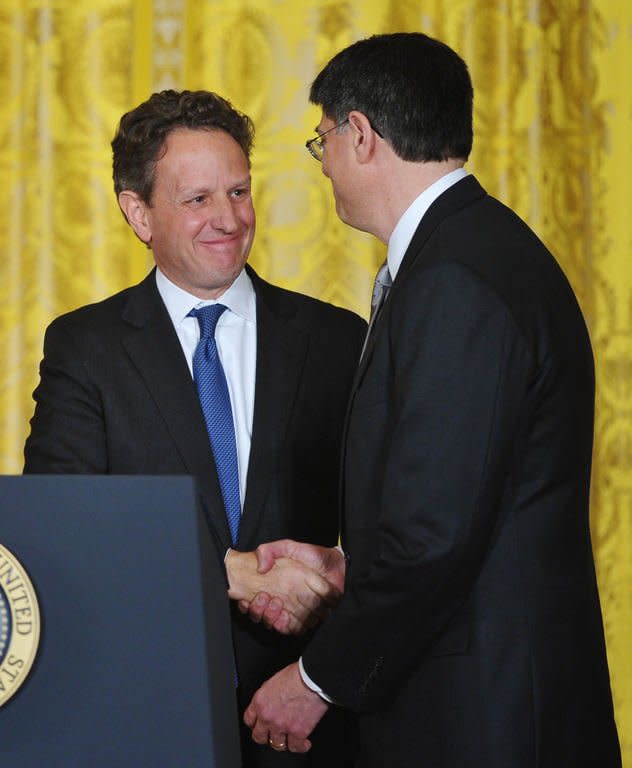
{"x":470,"y":632}
{"x":116,"y":397}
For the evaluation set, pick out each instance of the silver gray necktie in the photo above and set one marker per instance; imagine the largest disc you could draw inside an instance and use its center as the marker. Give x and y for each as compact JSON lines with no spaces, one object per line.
{"x":381,"y":287}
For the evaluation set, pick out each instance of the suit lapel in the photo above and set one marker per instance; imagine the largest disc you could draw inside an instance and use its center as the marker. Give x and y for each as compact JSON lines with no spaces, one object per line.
{"x":153,"y":346}
{"x":281,"y":350}
{"x":454,"y":198}
{"x":459,"y":195}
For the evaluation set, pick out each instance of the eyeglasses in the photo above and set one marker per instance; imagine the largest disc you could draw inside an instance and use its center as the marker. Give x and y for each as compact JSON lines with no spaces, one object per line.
{"x":316,"y":145}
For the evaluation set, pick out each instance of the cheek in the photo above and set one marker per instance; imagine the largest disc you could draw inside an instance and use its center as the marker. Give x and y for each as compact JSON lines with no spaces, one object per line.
{"x":189,"y":226}
{"x":247,"y":217}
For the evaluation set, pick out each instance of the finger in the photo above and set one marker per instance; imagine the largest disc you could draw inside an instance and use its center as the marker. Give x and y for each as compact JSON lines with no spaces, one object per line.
{"x":260,"y":734}
{"x":243,"y":606}
{"x":272,"y":611}
{"x":250,"y":716}
{"x":289,"y":624}
{"x":257,"y":606}
{"x":277,"y":741}
{"x":320,"y":585}
{"x":302,"y":602}
{"x":315,"y":613}
{"x":294,"y":744}
{"x":319,"y":596}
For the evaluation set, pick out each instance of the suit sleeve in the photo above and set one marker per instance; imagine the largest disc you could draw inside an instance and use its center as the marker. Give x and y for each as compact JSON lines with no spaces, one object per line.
{"x":67,"y":429}
{"x":430,"y":435}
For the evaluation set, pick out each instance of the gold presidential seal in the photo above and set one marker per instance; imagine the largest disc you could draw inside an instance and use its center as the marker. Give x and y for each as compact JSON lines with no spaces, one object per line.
{"x":19,"y":625}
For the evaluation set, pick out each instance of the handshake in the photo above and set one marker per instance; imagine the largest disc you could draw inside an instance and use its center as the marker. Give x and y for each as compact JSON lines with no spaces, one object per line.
{"x":290,"y":586}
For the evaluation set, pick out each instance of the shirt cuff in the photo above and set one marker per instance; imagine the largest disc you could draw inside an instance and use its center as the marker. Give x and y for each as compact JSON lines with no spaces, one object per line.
{"x":311,"y":684}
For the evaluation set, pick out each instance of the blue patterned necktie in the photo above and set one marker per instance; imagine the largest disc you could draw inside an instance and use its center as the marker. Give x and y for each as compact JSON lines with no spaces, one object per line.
{"x":210,"y":380}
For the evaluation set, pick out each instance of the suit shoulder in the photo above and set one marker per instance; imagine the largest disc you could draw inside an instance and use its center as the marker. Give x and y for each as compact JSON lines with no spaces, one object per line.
{"x":490,"y":239}
{"x":95,"y":314}
{"x":310,"y":311}
{"x":325,"y":312}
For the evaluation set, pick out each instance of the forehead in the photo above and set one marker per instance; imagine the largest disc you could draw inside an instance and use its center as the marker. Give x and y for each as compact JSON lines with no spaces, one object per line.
{"x":185,"y":147}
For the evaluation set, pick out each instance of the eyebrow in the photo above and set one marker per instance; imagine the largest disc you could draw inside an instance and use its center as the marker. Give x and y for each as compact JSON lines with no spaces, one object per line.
{"x":241,"y":182}
{"x":196,"y":190}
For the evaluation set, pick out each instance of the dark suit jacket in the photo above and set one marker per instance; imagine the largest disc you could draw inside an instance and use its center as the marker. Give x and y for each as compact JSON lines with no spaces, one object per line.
{"x":470,"y":633}
{"x":116,"y":397}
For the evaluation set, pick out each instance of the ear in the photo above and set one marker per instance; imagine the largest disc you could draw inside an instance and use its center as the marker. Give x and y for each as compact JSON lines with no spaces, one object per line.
{"x":135,"y":211}
{"x":364,"y":137}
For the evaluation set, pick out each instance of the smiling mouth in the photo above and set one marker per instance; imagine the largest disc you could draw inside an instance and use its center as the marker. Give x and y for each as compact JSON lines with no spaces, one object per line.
{"x":219,"y":242}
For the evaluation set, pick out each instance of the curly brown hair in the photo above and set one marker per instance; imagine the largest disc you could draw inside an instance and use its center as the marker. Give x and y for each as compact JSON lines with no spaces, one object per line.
{"x":140,"y":139}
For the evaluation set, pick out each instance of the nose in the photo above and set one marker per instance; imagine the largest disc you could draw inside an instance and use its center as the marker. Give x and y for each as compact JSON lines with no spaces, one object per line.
{"x":223,"y":217}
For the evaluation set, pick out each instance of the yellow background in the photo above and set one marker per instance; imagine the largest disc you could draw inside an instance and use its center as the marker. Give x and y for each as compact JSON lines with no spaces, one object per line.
{"x":553,"y":127}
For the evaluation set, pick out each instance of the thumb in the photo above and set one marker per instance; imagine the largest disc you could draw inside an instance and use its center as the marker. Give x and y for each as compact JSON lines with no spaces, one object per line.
{"x":268,"y":553}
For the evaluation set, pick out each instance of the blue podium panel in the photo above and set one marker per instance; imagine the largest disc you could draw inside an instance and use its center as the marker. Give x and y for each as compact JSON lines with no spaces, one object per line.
{"x":134,"y":667}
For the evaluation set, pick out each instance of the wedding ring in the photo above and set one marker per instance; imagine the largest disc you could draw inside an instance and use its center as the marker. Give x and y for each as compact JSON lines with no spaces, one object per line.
{"x":277,"y":747}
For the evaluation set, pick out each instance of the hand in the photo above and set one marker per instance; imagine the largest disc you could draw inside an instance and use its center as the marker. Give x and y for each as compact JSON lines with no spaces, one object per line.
{"x":284,"y":709}
{"x":302,"y":594}
{"x":328,"y":562}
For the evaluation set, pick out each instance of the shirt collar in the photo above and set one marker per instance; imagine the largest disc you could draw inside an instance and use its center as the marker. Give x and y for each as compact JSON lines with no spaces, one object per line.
{"x":239,"y":298}
{"x":405,"y":228}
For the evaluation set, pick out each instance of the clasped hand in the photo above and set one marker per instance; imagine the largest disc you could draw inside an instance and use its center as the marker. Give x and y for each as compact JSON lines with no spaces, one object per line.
{"x":288,"y":585}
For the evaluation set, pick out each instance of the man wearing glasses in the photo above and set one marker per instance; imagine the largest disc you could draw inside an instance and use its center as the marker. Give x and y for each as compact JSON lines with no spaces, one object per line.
{"x":207,"y":370}
{"x":470,"y":633}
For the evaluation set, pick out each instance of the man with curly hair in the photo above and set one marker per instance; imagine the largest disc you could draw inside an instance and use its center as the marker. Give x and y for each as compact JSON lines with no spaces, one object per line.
{"x":120,"y":379}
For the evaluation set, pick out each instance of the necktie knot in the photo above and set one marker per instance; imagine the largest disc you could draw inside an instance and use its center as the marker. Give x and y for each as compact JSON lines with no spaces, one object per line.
{"x":207,"y":318}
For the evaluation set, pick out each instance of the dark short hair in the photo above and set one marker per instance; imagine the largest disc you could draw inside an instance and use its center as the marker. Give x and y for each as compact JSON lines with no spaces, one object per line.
{"x":140,"y":138}
{"x":415,"y":91}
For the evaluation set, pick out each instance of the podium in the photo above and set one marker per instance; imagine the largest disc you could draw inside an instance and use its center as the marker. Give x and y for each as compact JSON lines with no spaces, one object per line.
{"x":134,"y":667}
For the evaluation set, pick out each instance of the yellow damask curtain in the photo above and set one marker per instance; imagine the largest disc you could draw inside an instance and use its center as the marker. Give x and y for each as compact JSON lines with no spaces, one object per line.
{"x":553,"y":120}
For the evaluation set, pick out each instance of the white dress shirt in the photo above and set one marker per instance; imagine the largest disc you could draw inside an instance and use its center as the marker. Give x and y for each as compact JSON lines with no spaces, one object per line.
{"x":236,"y":339}
{"x":406,"y":227}
{"x":398,"y":242}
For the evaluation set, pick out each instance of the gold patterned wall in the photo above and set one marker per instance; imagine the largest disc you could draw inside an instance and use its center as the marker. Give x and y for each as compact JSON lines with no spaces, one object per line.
{"x":553,"y":127}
